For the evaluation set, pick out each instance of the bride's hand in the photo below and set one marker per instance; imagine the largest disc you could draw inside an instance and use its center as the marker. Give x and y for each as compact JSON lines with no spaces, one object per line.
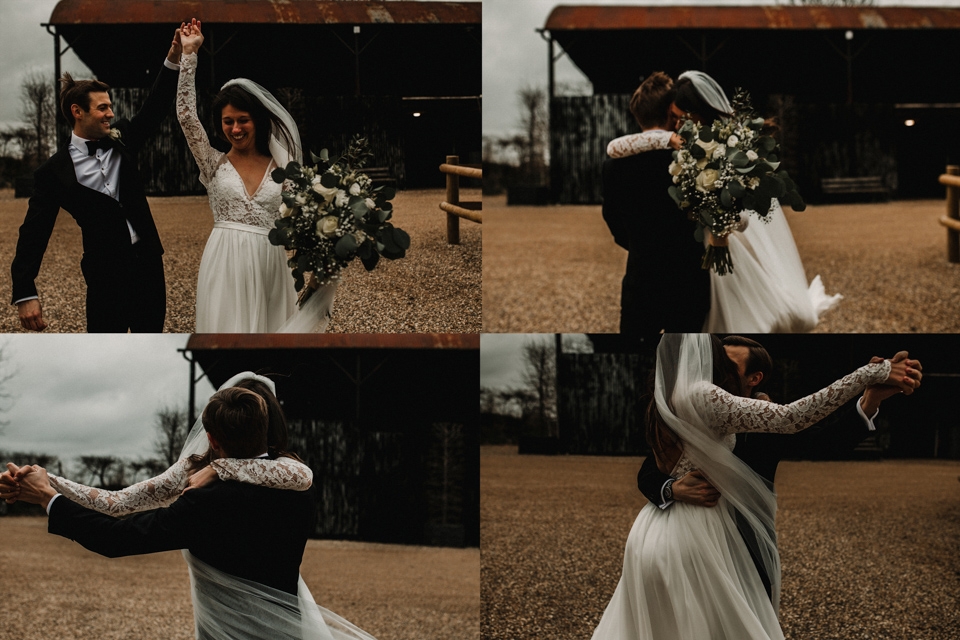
{"x":201,"y":478}
{"x":9,"y":487}
{"x":675,"y":141}
{"x":191,"y":37}
{"x":905,"y":374}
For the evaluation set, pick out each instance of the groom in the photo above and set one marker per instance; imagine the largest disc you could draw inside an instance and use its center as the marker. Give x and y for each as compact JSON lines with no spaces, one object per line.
{"x":248,"y":531}
{"x":95,"y":178}
{"x":762,"y":452}
{"x":664,"y":287}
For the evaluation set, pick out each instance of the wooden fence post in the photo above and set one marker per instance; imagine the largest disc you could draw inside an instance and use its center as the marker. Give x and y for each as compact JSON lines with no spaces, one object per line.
{"x":453,"y":197}
{"x":953,"y":212}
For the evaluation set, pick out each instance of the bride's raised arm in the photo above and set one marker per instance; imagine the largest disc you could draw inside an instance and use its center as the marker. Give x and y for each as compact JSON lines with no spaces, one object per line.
{"x":162,"y":490}
{"x":206,"y":156}
{"x":728,"y":413}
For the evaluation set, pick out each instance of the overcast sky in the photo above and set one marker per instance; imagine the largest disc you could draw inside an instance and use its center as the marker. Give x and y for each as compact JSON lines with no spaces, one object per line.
{"x":515,"y":56}
{"x":91,"y":394}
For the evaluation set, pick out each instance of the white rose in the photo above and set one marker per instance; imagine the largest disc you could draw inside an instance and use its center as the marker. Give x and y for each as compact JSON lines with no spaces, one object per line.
{"x":342,"y":199}
{"x":301,"y":198}
{"x":732,"y":141}
{"x":355,"y":189}
{"x":285,"y":211}
{"x":676,"y":179}
{"x":752,"y":155}
{"x":707,"y":180}
{"x":370,"y":203}
{"x":675,"y":168}
{"x":719,"y":153}
{"x":709,"y":147}
{"x":327,"y":226}
{"x":327,"y":193}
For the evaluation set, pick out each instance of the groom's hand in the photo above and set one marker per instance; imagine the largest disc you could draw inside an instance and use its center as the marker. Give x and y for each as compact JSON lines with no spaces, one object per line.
{"x":694,"y":489}
{"x":31,"y":315}
{"x":9,"y":487}
{"x":35,"y":486}
{"x":191,"y":37}
{"x":912,"y":373}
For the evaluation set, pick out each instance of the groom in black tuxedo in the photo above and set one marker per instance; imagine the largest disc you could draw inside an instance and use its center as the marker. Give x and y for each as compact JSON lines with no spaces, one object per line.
{"x":664,"y":288}
{"x":838,"y":434}
{"x":95,"y":178}
{"x":247,"y":531}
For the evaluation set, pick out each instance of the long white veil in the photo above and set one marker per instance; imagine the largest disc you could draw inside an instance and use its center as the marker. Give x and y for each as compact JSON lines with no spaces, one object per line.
{"x":226,"y":606}
{"x":684,"y":378}
{"x":708,"y":88}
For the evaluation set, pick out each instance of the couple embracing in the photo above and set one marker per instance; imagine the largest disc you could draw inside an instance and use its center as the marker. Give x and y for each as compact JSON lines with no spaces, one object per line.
{"x":665,"y":288}
{"x":244,"y":284}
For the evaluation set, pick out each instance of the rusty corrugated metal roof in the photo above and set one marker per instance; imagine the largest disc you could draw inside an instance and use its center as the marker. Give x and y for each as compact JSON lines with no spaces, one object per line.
{"x":264,"y":12}
{"x":202,"y":341}
{"x":582,"y":17}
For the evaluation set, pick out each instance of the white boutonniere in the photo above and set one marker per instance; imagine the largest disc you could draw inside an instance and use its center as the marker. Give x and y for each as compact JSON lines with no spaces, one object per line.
{"x":117,"y":136}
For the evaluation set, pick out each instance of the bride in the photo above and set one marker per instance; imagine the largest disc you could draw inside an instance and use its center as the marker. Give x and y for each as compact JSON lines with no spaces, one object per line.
{"x":768,"y":290}
{"x":244,"y":285}
{"x":224,"y":605}
{"x":689,"y":573}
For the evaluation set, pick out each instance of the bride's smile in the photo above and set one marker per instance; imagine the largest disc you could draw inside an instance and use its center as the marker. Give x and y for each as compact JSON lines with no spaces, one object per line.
{"x":238,"y":128}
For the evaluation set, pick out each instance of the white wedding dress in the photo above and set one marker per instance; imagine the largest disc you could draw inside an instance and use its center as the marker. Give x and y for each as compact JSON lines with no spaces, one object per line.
{"x":768,"y":290}
{"x":687,"y":572}
{"x":244,"y":285}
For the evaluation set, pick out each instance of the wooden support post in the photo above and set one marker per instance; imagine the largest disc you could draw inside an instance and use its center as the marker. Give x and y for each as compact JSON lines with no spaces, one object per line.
{"x":453,"y":197}
{"x":953,"y":212}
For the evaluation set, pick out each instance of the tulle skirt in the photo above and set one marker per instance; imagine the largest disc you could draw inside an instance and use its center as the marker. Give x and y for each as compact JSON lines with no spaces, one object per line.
{"x":244,"y":284}
{"x":687,"y":575}
{"x":768,"y":290}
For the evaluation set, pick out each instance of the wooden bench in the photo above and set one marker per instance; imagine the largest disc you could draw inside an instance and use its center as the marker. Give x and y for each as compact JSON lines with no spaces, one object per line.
{"x":381,"y":176}
{"x":865,"y":184}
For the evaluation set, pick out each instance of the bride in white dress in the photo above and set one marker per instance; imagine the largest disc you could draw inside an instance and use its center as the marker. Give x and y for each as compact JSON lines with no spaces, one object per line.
{"x":768,"y":290}
{"x":244,"y":284}
{"x":688,"y":574}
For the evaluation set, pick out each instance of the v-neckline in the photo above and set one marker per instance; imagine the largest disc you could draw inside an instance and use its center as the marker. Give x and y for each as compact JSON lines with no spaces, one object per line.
{"x":266,"y":172}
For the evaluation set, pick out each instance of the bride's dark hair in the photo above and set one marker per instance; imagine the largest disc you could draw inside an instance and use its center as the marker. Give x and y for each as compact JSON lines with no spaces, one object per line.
{"x":263,"y":119}
{"x":277,"y":435}
{"x":664,"y":443}
{"x":689,"y":100}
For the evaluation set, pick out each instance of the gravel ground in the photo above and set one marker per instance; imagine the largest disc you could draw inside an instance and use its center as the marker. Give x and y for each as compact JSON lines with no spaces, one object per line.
{"x":869,"y":549}
{"x":436,"y":288}
{"x":887,"y":259}
{"x":53,"y":588}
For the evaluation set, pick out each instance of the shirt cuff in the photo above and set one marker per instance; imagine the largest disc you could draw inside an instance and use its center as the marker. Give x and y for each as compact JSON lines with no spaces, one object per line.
{"x":50,"y":504}
{"x":664,"y":503}
{"x":25,"y":299}
{"x":868,"y":420}
{"x":171,"y":65}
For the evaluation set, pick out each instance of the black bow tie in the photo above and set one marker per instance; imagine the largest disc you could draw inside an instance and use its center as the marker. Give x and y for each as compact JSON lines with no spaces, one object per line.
{"x":103,"y":143}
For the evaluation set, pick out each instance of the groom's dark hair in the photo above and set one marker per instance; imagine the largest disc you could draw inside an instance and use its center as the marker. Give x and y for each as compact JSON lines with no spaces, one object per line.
{"x":758,"y":358}
{"x":77,"y":92}
{"x":651,"y":101}
{"x":237,"y":419}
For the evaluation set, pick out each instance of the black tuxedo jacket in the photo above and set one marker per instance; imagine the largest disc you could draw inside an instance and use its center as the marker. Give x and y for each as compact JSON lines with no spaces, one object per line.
{"x":664,"y":287}
{"x":102,"y":220}
{"x":245,"y":530}
{"x":836,"y":435}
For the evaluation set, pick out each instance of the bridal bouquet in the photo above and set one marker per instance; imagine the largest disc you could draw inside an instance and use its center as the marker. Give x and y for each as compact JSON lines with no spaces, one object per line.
{"x":724,"y":169}
{"x":330,"y":215}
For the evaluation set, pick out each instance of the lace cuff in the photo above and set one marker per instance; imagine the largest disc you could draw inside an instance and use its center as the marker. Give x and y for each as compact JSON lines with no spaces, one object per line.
{"x":734,"y":414}
{"x":154,"y":493}
{"x":282,"y":473}
{"x":635,"y":143}
{"x":206,"y":156}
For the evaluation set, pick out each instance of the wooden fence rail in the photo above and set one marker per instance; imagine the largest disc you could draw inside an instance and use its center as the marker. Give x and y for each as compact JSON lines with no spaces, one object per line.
{"x":951,"y":179}
{"x":452,"y":205}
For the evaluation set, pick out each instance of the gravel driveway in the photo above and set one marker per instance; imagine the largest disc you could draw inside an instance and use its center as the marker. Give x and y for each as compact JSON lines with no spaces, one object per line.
{"x":436,"y":288}
{"x":557,"y":269}
{"x":869,"y":549}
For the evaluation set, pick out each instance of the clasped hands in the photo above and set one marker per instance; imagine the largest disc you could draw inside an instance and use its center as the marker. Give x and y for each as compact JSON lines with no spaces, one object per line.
{"x":28,"y":483}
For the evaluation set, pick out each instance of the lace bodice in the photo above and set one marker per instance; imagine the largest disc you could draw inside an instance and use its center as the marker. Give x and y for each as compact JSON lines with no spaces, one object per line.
{"x":729,"y":415}
{"x":635,"y":143}
{"x":228,"y":196}
{"x":161,"y":491}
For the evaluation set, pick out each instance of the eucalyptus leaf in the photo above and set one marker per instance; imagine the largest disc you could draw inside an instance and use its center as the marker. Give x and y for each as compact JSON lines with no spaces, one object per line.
{"x":346,"y":246}
{"x":370,"y":261}
{"x":387,"y":193}
{"x":674,"y":193}
{"x":401,"y":238}
{"x":736,"y":189}
{"x":768,"y":143}
{"x":726,"y":199}
{"x":698,"y":234}
{"x":293,"y":169}
{"x":706,"y":134}
{"x":697,"y":152}
{"x":278,"y":175}
{"x":329,"y":180}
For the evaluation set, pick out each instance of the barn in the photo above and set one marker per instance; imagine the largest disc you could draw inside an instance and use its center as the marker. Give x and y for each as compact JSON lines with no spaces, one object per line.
{"x":404,"y":74}
{"x":388,"y":423}
{"x":860,"y":92}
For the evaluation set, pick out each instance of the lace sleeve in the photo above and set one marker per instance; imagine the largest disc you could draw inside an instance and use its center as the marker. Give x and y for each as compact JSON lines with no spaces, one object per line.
{"x":734,"y":414}
{"x":636,"y":143}
{"x":206,"y":156}
{"x":143,"y":496}
{"x":282,"y":473}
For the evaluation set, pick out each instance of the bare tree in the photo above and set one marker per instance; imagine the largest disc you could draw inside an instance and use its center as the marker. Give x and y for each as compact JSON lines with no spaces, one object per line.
{"x":172,"y":430}
{"x":540,"y":379}
{"x":38,"y":101}
{"x":6,"y":375}
{"x":98,"y":467}
{"x":533,"y":142}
